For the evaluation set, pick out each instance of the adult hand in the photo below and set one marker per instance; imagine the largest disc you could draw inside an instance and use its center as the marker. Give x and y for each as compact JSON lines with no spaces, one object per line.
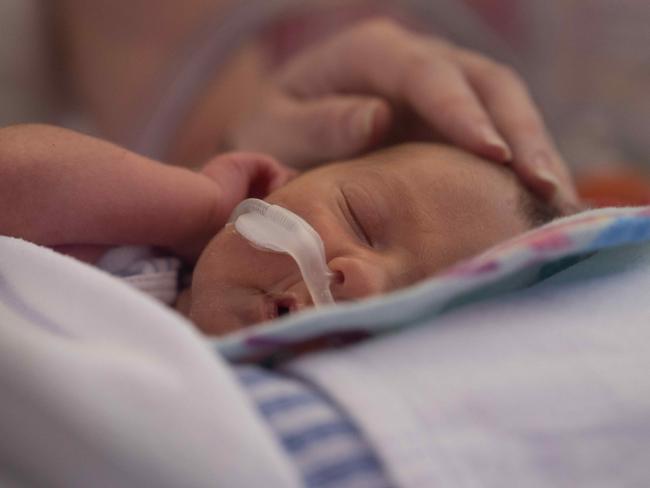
{"x":378,"y":83}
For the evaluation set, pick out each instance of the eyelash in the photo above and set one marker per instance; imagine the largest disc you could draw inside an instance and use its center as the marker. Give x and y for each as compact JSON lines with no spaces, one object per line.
{"x":357,"y":228}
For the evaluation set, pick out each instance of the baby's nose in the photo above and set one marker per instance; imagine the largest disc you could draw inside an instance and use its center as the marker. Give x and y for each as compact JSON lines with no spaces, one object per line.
{"x":352,"y":279}
{"x":356,"y":278}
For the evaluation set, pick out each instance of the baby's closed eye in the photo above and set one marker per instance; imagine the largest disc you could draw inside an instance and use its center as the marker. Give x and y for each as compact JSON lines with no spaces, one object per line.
{"x":366,"y":218}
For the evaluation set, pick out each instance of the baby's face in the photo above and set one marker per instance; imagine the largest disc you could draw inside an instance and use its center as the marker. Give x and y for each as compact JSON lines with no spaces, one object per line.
{"x":387,"y":220}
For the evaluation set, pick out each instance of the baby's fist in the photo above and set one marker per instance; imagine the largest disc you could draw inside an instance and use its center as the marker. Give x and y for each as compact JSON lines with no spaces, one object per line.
{"x":241,"y":175}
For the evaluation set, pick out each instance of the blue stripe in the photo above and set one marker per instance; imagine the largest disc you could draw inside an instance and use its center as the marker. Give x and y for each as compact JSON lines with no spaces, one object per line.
{"x":300,"y":440}
{"x":287,"y":402}
{"x":293,"y":401}
{"x":336,"y":473}
{"x":250,"y":377}
{"x":624,"y":230}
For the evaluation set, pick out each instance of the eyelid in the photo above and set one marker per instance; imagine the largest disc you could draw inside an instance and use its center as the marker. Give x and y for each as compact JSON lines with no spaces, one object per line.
{"x":354,"y":221}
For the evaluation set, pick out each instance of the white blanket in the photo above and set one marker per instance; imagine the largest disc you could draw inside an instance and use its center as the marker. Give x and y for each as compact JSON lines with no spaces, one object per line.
{"x":545,"y":387}
{"x":102,"y":386}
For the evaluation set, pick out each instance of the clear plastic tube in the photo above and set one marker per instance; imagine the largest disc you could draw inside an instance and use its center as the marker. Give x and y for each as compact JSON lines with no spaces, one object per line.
{"x":274,"y":228}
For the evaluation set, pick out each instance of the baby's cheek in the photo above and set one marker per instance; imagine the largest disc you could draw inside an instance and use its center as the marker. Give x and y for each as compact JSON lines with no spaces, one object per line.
{"x":231,"y":282}
{"x":184,"y":302}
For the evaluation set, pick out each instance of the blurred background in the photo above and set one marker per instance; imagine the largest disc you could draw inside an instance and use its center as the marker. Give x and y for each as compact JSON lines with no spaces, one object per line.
{"x":165,"y":77}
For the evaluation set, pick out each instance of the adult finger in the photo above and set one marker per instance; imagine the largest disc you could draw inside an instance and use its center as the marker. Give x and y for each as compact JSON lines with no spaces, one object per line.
{"x":511,"y":108}
{"x":301,"y":132}
{"x":385,"y":60}
{"x":440,"y":94}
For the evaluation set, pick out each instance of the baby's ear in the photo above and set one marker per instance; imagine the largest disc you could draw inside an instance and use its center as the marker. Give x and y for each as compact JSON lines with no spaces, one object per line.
{"x":243,"y":175}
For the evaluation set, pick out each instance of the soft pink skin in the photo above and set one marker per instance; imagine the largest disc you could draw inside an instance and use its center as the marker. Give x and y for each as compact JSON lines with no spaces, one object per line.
{"x":81,"y":195}
{"x":421,"y":206}
{"x":418,"y":208}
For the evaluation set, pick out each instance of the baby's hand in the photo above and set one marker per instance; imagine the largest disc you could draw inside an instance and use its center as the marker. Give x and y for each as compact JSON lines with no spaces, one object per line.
{"x":366,"y":85}
{"x":76,"y":193}
{"x":241,"y":175}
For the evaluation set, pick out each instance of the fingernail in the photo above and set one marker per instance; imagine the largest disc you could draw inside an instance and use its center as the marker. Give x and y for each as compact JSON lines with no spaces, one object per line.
{"x":540,"y":165}
{"x":566,"y":198}
{"x":363,"y":121}
{"x":496,"y":145}
{"x":547,"y":177}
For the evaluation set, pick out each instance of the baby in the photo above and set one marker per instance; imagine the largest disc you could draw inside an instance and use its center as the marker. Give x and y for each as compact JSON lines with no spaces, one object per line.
{"x":387,"y":220}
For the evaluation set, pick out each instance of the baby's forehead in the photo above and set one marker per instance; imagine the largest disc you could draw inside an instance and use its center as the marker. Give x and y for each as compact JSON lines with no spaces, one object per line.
{"x":434,"y":181}
{"x":427,"y":165}
{"x":440,"y":202}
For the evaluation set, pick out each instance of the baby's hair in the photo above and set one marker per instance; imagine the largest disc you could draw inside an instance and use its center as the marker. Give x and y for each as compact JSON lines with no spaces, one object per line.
{"x":536,"y":211}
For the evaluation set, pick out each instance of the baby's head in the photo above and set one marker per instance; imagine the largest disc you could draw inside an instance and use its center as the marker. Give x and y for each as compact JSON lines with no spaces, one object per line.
{"x":387,"y":220}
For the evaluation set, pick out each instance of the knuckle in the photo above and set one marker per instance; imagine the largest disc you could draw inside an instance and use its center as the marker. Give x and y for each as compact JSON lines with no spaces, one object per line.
{"x":440,"y":46}
{"x":415,"y":63}
{"x":505,"y":74}
{"x":334,"y":132}
{"x":364,"y":40}
{"x":318,"y":133}
{"x":380,"y":26}
{"x":529,"y":127}
{"x":451,"y":107}
{"x":449,"y":103}
{"x":381,"y":31}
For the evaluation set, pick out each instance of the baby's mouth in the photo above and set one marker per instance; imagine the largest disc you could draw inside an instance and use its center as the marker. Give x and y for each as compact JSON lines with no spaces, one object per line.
{"x":285,"y":306}
{"x":281,"y":306}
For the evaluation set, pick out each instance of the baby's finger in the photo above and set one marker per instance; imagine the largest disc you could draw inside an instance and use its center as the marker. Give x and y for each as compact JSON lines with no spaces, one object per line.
{"x":515,"y":115}
{"x":300,"y":131}
{"x":240,"y":175}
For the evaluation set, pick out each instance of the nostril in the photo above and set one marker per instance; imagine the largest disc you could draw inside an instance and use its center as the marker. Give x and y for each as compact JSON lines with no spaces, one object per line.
{"x":338,"y":278}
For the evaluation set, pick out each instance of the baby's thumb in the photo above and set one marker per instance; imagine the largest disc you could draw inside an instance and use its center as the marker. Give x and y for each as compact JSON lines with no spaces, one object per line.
{"x":240,"y":175}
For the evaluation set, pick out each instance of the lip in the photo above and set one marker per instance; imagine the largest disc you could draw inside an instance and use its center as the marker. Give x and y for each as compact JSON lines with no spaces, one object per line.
{"x":262,"y":310}
{"x":277,"y":306}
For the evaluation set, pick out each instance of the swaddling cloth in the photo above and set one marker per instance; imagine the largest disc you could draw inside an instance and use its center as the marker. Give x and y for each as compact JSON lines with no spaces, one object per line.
{"x":101,"y":383}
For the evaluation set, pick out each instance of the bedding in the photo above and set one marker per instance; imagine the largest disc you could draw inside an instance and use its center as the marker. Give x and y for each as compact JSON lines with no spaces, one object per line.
{"x":528,"y":364}
{"x":325,"y":444}
{"x":104,"y":386}
{"x":542,"y":387}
